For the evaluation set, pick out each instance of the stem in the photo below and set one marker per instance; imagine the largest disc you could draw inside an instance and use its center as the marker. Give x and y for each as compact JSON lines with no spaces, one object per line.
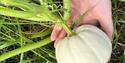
{"x":25,"y":49}
{"x":25,"y":14}
{"x":41,"y":33}
{"x":21,"y":39}
{"x":21,"y":57}
{"x":65,"y":27}
{"x":63,"y":24}
{"x":66,"y":6}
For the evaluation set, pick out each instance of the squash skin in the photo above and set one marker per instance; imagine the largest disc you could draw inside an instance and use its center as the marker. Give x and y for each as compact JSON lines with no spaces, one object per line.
{"x":89,"y":45}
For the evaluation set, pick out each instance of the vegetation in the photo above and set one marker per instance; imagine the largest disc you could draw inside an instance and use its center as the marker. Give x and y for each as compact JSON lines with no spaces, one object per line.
{"x":26,"y":25}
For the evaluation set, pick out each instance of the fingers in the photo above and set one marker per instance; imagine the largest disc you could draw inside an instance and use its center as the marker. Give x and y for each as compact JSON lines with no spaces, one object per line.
{"x":56,"y":31}
{"x":104,"y":17}
{"x":107,"y":26}
{"x":105,"y":20}
{"x":62,"y":34}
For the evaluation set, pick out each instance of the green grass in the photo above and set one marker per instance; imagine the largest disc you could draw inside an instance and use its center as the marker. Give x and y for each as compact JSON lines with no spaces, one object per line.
{"x":17,"y":36}
{"x":118,"y":55}
{"x":25,"y":39}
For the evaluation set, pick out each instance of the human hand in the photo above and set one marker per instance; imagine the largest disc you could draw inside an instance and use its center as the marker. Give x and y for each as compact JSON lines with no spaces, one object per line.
{"x":100,"y":13}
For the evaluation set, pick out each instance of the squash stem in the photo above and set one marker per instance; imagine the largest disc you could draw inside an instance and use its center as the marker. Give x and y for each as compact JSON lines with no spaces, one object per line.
{"x":66,"y":27}
{"x":66,"y":6}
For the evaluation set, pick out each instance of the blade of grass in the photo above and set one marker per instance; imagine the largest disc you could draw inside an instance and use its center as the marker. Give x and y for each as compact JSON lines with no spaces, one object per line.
{"x":1,"y":23}
{"x":48,"y":52}
{"x":11,"y":38}
{"x":25,"y":49}
{"x":6,"y":44}
{"x":24,"y":38}
{"x":20,"y":34}
{"x":40,"y":55}
{"x":21,"y":39}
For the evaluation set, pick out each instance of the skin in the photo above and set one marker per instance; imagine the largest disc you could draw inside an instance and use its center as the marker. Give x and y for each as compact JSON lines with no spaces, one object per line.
{"x":99,"y":13}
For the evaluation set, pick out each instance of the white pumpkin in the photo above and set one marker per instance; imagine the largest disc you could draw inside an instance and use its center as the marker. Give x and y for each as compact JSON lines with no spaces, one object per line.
{"x":89,"y":45}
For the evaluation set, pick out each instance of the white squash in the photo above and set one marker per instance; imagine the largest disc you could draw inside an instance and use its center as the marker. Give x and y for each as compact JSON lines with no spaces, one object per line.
{"x":89,"y":45}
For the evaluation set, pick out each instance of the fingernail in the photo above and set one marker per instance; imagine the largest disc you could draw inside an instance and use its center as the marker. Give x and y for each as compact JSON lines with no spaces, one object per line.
{"x":52,"y":39}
